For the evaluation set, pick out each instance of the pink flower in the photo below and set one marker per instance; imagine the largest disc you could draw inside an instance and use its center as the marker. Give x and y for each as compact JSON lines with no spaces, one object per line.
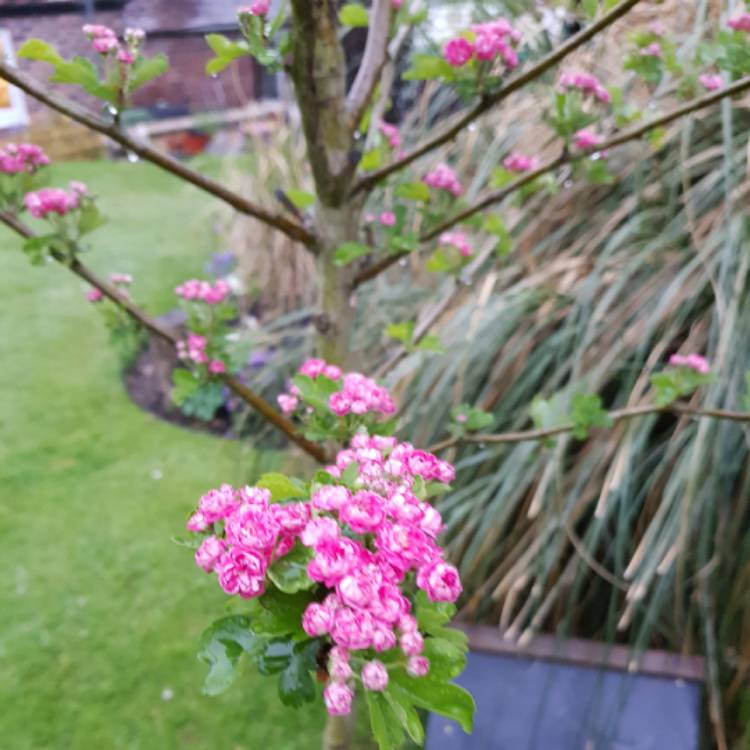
{"x":388,"y":219}
{"x":418,"y":666}
{"x":391,"y":134}
{"x":216,"y":367}
{"x":652,"y":50}
{"x":94,"y":295}
{"x":316,"y":620}
{"x":312,"y":368}
{"x":252,"y":528}
{"x":242,"y":572}
{"x":383,"y":638}
{"x":443,"y":177}
{"x":740,"y":22}
{"x":411,"y":643}
{"x":440,"y":581}
{"x":330,"y":497}
{"x":396,"y":3}
{"x":208,"y":554}
{"x":258,"y":8}
{"x":457,"y":240}
{"x":352,"y":628}
{"x":517,"y":162}
{"x":319,"y":530}
{"x":291,"y":517}
{"x":197,"y":522}
{"x":94,"y":31}
{"x":458,"y":51}
{"x":16,"y":158}
{"x":338,"y":698}
{"x":692,"y":361}
{"x":126,"y":56}
{"x":340,"y":670}
{"x":586,"y":83}
{"x":123,"y":279}
{"x":710,"y":82}
{"x":194,"y":289}
{"x":134,"y":35}
{"x":287,"y":403}
{"x":105,"y":44}
{"x":364,"y":512}
{"x":50,"y":201}
{"x":586,"y":139}
{"x":375,"y":676}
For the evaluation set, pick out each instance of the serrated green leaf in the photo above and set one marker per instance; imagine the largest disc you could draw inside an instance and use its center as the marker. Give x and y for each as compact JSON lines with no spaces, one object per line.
{"x":38,"y":49}
{"x":348,"y":252}
{"x":146,"y":69}
{"x":185,"y":384}
{"x":428,"y":67}
{"x":221,"y":646}
{"x":551,"y":412}
{"x":282,"y":613}
{"x":353,"y":15}
{"x":586,"y":411}
{"x":403,"y":331}
{"x":413,"y":191}
{"x":282,"y":487}
{"x":275,"y":657}
{"x":438,"y":696}
{"x":301,"y":198}
{"x":289,"y":574}
{"x":371,"y":159}
{"x":296,"y":685}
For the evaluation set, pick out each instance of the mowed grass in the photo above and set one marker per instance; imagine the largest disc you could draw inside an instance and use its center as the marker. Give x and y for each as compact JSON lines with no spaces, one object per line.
{"x":101,"y":613}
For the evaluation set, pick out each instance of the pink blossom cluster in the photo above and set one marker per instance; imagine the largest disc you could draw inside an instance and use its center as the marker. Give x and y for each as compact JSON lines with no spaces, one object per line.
{"x":457,"y":240}
{"x":358,"y":395}
{"x":517,"y":162}
{"x":490,"y":41}
{"x":105,"y":42}
{"x":258,"y":8}
{"x":94,"y":295}
{"x":366,"y":544}
{"x":41,"y":203}
{"x":391,"y":134}
{"x":586,"y":83}
{"x":194,"y":349}
{"x":442,"y":177}
{"x":203,"y":291}
{"x":586,"y":139}
{"x":652,"y":50}
{"x":740,"y":22}
{"x":18,"y":158}
{"x":711,"y":81}
{"x":387,"y":219}
{"x":693,"y":361}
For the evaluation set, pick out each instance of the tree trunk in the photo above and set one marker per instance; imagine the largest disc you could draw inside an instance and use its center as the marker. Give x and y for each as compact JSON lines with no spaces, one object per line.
{"x":336,"y":314}
{"x":338,"y":733}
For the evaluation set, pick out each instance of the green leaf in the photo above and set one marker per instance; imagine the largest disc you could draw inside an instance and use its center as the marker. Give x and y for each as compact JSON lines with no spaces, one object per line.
{"x":428,"y":67}
{"x":403,"y":710}
{"x":289,"y":574}
{"x":146,"y":69}
{"x":371,"y":159}
{"x":551,"y":412}
{"x":37,"y":248}
{"x":440,"y":697}
{"x":89,"y":219}
{"x":386,"y":729}
{"x":348,"y":252}
{"x":221,"y":646}
{"x":431,"y":343}
{"x":586,"y":411}
{"x":300,"y":198}
{"x":275,"y":657}
{"x":282,"y":487}
{"x":38,"y":49}
{"x":296,"y":685}
{"x":349,"y":474}
{"x":436,"y":488}
{"x":203,"y":402}
{"x":590,"y":7}
{"x":353,"y":14}
{"x":413,"y":191}
{"x":471,"y":418}
{"x":282,"y":613}
{"x":403,"y":331}
{"x":226,"y":51}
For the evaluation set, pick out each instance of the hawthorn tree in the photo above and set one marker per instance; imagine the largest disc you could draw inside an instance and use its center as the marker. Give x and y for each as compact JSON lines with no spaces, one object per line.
{"x":344,"y":574}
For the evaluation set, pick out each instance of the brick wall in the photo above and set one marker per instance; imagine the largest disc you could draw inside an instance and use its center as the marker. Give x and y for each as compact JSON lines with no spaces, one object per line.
{"x":185,"y":84}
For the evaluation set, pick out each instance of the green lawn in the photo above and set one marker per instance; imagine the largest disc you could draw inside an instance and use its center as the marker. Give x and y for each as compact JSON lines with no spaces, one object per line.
{"x":101,"y":612}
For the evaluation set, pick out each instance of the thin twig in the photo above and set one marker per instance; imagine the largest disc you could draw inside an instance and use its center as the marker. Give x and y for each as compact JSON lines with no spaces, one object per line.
{"x":102,"y":125}
{"x":249,"y":396}
{"x":373,"y":59}
{"x":489,"y":101}
{"x":615,"y":416}
{"x":567,"y":157}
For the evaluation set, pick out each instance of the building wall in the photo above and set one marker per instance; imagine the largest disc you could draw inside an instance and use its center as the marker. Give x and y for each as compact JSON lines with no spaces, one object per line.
{"x":176,"y":29}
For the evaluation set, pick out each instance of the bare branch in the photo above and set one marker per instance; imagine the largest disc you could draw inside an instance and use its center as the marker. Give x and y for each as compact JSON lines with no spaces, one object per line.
{"x":489,"y":101}
{"x":101,"y":125}
{"x":249,"y":396}
{"x":373,"y":59}
{"x":619,"y":415}
{"x":496,"y":196}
